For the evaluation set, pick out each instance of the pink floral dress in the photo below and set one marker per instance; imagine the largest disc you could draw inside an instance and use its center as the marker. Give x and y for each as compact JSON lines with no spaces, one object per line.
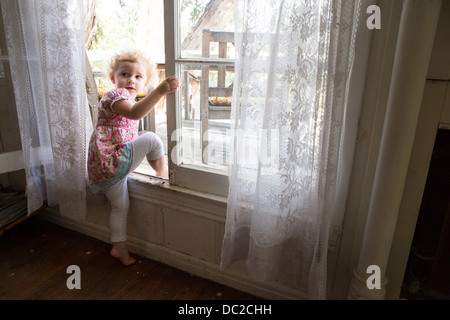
{"x":110,"y":150}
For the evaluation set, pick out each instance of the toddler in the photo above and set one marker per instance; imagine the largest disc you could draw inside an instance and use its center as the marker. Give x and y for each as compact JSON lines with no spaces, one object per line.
{"x":115,"y":149}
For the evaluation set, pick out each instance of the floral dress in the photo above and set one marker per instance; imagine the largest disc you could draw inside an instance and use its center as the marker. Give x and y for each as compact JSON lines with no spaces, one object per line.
{"x":110,"y":151}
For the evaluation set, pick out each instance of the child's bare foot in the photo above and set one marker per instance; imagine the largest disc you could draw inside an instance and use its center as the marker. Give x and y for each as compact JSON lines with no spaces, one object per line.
{"x":163,"y":174}
{"x":120,"y":251}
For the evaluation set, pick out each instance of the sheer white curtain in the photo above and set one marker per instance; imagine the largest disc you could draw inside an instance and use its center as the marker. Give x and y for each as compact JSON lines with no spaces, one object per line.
{"x":289,"y":105}
{"x":45,"y":41}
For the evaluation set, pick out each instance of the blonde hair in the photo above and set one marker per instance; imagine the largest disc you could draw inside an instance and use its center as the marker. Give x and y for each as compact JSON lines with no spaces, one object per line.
{"x":132,"y":56}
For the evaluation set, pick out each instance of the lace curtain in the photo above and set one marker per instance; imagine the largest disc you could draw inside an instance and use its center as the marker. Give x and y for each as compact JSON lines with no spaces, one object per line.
{"x":289,"y":103}
{"x":45,"y":42}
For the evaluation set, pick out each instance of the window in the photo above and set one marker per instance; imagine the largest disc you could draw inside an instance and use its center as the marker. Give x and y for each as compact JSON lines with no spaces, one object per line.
{"x":199,"y":50}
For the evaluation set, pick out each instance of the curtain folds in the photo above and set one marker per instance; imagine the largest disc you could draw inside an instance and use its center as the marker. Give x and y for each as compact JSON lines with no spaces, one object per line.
{"x":289,"y":104}
{"x":45,"y":41}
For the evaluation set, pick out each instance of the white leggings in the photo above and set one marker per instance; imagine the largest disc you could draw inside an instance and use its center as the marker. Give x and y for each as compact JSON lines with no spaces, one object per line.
{"x":148,"y":145}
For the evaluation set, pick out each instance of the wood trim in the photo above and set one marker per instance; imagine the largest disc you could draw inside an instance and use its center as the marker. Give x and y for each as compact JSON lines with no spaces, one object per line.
{"x":412,"y":55}
{"x":11,"y":161}
{"x":376,"y":92}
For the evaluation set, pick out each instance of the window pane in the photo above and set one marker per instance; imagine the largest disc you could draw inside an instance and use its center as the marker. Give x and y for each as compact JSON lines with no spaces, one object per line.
{"x":205,"y":124}
{"x":204,"y":104}
{"x":197,"y":16}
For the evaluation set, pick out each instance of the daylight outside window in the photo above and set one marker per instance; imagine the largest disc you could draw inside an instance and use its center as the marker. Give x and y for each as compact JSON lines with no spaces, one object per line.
{"x":194,"y":40}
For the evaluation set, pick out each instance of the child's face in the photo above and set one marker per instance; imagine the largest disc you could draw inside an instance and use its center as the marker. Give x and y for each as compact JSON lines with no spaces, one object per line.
{"x":130,"y":75}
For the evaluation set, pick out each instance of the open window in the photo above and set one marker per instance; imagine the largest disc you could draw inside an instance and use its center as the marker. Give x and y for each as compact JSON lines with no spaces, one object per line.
{"x":115,"y":25}
{"x":200,"y":51}
{"x":190,"y":39}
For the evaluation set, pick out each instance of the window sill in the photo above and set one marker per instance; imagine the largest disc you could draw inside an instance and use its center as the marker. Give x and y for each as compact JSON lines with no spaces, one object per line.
{"x":159,"y":191}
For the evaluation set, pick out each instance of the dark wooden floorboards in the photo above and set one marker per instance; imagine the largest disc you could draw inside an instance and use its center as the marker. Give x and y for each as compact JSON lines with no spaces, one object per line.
{"x":34,"y":257}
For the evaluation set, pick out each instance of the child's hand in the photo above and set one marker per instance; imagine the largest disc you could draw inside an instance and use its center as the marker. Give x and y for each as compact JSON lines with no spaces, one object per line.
{"x":170,"y":85}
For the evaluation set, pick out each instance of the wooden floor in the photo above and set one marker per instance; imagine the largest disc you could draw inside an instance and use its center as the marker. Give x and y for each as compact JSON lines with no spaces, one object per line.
{"x":35,"y":255}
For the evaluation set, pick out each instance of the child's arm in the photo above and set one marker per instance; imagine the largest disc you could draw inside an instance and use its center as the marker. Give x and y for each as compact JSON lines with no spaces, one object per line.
{"x":140,"y":109}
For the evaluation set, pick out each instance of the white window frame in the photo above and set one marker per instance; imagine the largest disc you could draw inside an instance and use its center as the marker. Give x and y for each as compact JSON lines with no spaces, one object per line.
{"x":197,"y":178}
